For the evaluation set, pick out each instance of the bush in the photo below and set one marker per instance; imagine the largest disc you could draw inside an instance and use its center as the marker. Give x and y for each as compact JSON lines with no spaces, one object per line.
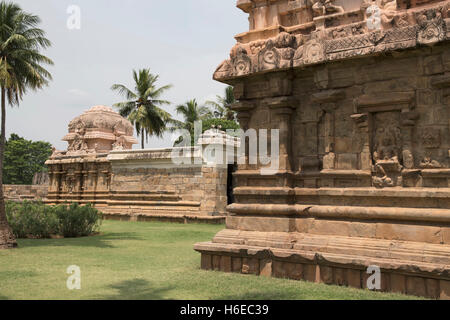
{"x":32,"y":219}
{"x":37,"y":220}
{"x":77,"y":221}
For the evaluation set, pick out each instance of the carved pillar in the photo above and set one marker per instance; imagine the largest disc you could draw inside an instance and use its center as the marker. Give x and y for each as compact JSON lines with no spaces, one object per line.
{"x":327,"y":101}
{"x":243,"y":109}
{"x":408,"y":123}
{"x":362,"y":123}
{"x":282,"y":108}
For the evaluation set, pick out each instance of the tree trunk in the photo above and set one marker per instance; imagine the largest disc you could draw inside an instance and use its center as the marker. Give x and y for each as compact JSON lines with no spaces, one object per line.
{"x":142,"y":139}
{"x":7,"y":239}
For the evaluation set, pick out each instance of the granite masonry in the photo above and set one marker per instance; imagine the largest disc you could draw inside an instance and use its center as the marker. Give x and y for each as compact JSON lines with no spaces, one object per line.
{"x":360,"y":92}
{"x":175,"y":184}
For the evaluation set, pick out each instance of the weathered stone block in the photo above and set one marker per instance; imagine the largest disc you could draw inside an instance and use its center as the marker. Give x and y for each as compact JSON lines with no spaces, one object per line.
{"x":236,"y":265}
{"x":326,"y":274}
{"x":225,"y":263}
{"x":354,"y":278}
{"x":398,"y":283}
{"x":416,"y":286}
{"x":444,"y":286}
{"x":206,"y":261}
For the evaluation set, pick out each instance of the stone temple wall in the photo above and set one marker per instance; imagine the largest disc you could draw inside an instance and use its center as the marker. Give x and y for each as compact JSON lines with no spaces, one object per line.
{"x":25,"y":192}
{"x":360,"y":99}
{"x":175,"y":184}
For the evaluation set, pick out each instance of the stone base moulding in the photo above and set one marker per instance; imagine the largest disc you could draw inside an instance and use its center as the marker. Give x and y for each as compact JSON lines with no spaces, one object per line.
{"x":400,"y":276}
{"x":176,"y":218}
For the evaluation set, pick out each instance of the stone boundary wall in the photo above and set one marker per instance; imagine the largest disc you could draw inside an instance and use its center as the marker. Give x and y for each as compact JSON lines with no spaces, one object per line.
{"x":174,"y":184}
{"x":25,"y":192}
{"x":152,"y":182}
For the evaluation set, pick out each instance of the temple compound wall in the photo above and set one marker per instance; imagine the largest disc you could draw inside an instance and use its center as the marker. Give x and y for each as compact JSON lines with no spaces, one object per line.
{"x":175,"y":184}
{"x":25,"y":192}
{"x":360,"y":92}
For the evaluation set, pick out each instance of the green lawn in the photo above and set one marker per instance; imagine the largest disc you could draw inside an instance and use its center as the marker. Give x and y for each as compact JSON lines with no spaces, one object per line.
{"x":139,"y":260}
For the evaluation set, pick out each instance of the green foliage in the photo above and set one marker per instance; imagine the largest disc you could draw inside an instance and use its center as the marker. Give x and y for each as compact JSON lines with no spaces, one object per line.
{"x":222,"y":106}
{"x":223,"y":124}
{"x":32,"y":219}
{"x":76,"y":220}
{"x":143,"y":105}
{"x":37,"y":220}
{"x":191,"y":112}
{"x":24,"y":158}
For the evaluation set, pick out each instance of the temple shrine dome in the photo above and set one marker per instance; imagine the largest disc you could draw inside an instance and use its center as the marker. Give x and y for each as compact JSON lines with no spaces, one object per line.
{"x":99,"y":130}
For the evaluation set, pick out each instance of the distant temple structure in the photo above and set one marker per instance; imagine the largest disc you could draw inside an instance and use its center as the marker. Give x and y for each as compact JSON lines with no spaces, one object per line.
{"x":174,"y":184}
{"x":360,"y":93}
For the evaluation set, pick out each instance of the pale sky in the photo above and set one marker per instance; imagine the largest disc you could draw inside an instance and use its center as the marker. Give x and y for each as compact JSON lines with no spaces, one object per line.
{"x":181,"y":40}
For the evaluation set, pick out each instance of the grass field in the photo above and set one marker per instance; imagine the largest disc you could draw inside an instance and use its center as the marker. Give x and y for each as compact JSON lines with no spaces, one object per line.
{"x":138,"y":260}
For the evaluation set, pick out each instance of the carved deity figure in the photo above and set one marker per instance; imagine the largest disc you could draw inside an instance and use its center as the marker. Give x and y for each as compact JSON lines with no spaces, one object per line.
{"x":385,"y":145}
{"x":381,"y":180}
{"x":120,"y":144}
{"x":387,"y":137}
{"x":325,"y":7}
{"x":78,"y":143}
{"x":428,"y":163}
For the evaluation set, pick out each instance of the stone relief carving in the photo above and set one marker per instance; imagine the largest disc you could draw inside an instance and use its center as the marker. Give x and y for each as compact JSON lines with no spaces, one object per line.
{"x":387,"y":149}
{"x":431,"y":26}
{"x":431,"y":138}
{"x":325,"y":7}
{"x":96,"y":130}
{"x":341,"y":40}
{"x":241,"y":62}
{"x":379,"y":13}
{"x":387,"y":137}
{"x":381,"y":180}
{"x":428,"y":163}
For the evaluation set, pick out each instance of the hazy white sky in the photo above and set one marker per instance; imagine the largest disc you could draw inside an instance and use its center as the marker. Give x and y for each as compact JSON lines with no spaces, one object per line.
{"x":181,"y":40}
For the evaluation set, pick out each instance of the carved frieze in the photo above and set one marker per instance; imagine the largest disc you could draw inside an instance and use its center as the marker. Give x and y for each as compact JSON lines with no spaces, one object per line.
{"x":431,"y":26}
{"x":344,"y":38}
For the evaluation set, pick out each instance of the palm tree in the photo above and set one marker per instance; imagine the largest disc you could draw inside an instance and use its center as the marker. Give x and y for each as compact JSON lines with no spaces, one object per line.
{"x":222,"y":105}
{"x":191,"y":112}
{"x":142,"y":107}
{"x":21,"y":68}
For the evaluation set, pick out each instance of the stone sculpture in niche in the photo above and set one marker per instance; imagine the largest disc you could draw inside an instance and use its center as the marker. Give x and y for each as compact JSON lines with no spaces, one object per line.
{"x":387,"y":149}
{"x":387,"y":137}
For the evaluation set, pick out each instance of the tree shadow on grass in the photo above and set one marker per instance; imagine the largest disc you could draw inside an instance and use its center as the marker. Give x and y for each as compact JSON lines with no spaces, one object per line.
{"x":97,"y":241}
{"x":136,"y":289}
{"x":3,"y":298}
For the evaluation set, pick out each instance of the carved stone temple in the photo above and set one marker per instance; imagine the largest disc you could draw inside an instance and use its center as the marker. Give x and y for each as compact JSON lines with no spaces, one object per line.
{"x":360,"y":93}
{"x":174,"y":184}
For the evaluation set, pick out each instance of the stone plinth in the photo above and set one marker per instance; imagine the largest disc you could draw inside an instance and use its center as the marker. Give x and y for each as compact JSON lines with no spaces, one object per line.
{"x":365,"y":146}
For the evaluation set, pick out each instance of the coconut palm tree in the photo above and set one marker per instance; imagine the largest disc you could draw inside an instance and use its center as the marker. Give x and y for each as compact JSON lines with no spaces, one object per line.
{"x":222,"y":105}
{"x":21,"y":69}
{"x":143,"y":106}
{"x":191,"y":112}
